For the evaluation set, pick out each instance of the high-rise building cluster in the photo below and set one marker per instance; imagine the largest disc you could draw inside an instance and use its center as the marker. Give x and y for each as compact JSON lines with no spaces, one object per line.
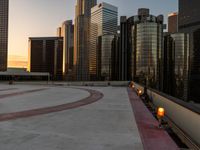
{"x":96,"y":48}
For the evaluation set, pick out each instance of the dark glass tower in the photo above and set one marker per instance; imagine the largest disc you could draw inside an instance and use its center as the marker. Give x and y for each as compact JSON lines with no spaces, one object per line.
{"x":145,"y":39}
{"x":189,"y":22}
{"x":4,"y":5}
{"x":123,"y":51}
{"x":46,"y":55}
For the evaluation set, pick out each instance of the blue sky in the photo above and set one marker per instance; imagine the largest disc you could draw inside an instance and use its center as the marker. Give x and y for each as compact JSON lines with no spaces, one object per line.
{"x":29,"y":18}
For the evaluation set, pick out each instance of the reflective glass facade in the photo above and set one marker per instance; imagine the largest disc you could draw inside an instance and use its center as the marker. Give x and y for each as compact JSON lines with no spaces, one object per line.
{"x":189,"y":22}
{"x":4,"y":6}
{"x":81,"y":39}
{"x":67,"y":32}
{"x":46,"y":55}
{"x":103,"y":20}
{"x":104,"y":59}
{"x":146,"y":48}
{"x":181,"y":64}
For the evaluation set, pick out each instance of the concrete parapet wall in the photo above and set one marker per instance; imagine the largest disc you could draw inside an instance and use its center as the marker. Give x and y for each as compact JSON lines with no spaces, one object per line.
{"x":186,"y":119}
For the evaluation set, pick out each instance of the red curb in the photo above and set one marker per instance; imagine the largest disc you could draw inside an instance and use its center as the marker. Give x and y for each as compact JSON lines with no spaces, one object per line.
{"x":94,"y":96}
{"x":152,"y":137}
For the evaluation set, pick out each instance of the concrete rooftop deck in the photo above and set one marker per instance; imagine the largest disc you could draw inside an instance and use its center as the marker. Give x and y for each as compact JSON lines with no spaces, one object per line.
{"x":46,"y":117}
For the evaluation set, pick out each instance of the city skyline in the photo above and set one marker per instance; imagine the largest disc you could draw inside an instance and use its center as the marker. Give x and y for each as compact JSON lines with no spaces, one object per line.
{"x":23,"y":25}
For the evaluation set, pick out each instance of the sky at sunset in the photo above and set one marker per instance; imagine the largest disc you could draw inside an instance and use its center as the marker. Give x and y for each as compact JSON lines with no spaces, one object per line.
{"x":37,"y":18}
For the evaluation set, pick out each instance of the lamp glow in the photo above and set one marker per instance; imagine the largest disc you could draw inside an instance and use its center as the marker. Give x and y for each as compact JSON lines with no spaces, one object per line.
{"x":161,"y":112}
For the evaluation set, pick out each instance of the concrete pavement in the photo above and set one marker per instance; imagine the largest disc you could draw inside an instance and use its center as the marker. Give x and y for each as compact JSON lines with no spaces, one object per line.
{"x":107,"y":124}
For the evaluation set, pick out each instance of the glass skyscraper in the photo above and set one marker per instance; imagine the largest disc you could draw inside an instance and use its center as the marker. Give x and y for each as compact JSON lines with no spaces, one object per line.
{"x":145,"y":33}
{"x":67,"y":32}
{"x":103,"y":21}
{"x":176,"y":65}
{"x":4,"y":6}
{"x":81,"y":38}
{"x":46,"y":55}
{"x":189,"y":22}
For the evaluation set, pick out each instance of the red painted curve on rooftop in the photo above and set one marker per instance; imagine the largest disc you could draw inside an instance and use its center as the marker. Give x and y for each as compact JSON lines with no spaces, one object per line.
{"x":152,"y":137}
{"x":94,"y":96}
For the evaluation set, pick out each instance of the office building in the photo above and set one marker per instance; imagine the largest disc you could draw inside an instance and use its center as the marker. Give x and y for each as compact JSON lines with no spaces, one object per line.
{"x":103,"y":21}
{"x":81,"y":38}
{"x":145,"y":41}
{"x":123,"y":50}
{"x":115,"y":58}
{"x":46,"y":55}
{"x":189,"y":22}
{"x":173,"y":22}
{"x":4,"y":8}
{"x":168,"y":65}
{"x":176,"y":65}
{"x":181,"y":64}
{"x":67,"y":32}
{"x":104,"y":57}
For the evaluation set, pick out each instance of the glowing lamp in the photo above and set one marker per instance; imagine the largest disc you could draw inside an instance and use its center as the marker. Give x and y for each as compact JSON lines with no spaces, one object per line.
{"x":161,"y":112}
{"x":139,"y":92}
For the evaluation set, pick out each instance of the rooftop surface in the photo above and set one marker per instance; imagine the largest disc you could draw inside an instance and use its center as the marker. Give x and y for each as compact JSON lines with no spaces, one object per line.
{"x":46,"y":117}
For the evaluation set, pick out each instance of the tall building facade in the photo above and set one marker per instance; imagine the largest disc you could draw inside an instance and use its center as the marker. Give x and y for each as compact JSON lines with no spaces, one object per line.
{"x":173,"y":22}
{"x":168,"y":65}
{"x":189,"y":22}
{"x":67,"y":32}
{"x":181,"y":64}
{"x":104,"y":57}
{"x":81,"y":38}
{"x":176,"y":65}
{"x":4,"y":8}
{"x":103,"y":22}
{"x":46,"y":55}
{"x":145,"y":41}
{"x":123,"y":50}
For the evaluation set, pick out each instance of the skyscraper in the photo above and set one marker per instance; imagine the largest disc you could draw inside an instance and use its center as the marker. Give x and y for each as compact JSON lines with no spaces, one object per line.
{"x":46,"y":55}
{"x":145,"y":39}
{"x":123,"y":50}
{"x":4,"y":6}
{"x":189,"y":22}
{"x":173,"y":22}
{"x":181,"y":62}
{"x":67,"y":32}
{"x":176,"y":65}
{"x":103,"y":22}
{"x":81,"y":38}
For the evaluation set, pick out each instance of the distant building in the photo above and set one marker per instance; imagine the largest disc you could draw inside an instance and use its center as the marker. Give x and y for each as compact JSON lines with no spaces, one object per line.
{"x":176,"y":65}
{"x":145,"y":41}
{"x":115,"y":59}
{"x":173,"y":22}
{"x":4,"y":8}
{"x":168,"y":65}
{"x":46,"y":55}
{"x":104,"y":57}
{"x":103,"y":24}
{"x":123,"y":50}
{"x":67,"y":32}
{"x":189,"y":22}
{"x":81,"y":38}
{"x":59,"y":33}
